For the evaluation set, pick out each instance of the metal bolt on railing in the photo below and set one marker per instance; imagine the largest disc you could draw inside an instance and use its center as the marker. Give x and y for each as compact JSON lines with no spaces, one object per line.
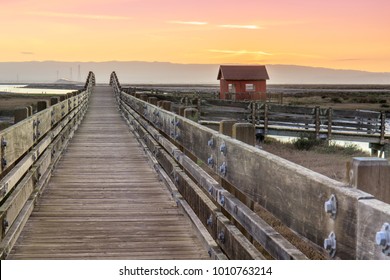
{"x":221,"y":237}
{"x":3,"y":143}
{"x":223,"y":148}
{"x":221,"y":199}
{"x":210,"y":161}
{"x":210,"y":143}
{"x":223,"y":169}
{"x":209,"y":220}
{"x":330,"y":244}
{"x":3,"y":162}
{"x":330,"y":206}
{"x":382,"y":238}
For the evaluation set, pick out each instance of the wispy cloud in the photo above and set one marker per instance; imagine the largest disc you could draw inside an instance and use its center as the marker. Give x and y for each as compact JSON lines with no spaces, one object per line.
{"x":27,"y":53}
{"x":188,"y":22}
{"x":299,"y":55}
{"x":79,"y":16}
{"x":241,"y":52}
{"x":239,"y":26}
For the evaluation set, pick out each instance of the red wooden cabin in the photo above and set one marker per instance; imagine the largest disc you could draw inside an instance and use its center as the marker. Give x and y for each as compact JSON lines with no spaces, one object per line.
{"x":243,"y":82}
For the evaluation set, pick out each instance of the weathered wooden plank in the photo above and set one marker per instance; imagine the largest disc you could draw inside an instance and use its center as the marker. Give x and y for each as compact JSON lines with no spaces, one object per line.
{"x":263,"y":233}
{"x":10,"y":209}
{"x":94,"y":202}
{"x":14,"y":232}
{"x":10,"y":180}
{"x":18,"y":139}
{"x":372,"y":214}
{"x":293,"y":194}
{"x":291,"y":109}
{"x":355,"y":114}
{"x":371,"y":175}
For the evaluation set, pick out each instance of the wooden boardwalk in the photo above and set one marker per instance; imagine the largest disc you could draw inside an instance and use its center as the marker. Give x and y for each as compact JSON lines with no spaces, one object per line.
{"x":105,"y":201}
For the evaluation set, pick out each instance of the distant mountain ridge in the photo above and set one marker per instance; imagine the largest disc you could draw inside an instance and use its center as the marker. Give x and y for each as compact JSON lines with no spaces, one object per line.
{"x":139,"y":72}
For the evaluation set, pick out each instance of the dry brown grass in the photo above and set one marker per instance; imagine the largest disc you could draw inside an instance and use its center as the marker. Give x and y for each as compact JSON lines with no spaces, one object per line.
{"x":331,"y":163}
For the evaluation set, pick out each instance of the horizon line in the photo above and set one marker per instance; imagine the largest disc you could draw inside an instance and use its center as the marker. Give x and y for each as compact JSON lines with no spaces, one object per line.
{"x":216,"y":64}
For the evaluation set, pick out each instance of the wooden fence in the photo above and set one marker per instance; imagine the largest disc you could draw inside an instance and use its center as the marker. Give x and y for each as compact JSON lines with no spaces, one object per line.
{"x":30,"y":150}
{"x":283,"y":120}
{"x":322,"y":210}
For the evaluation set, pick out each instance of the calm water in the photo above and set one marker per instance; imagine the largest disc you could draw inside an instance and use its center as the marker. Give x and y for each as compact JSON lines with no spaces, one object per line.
{"x":24,"y":89}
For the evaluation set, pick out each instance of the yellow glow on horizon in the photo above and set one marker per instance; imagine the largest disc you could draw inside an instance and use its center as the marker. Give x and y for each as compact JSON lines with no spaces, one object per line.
{"x":342,"y":35}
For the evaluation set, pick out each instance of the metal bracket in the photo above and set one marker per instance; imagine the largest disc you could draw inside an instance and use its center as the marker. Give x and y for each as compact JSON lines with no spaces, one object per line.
{"x":382,"y":239}
{"x":221,"y":237}
{"x":209,"y":220}
{"x":330,"y":244}
{"x":223,"y":148}
{"x":210,"y":143}
{"x":3,"y":143}
{"x":210,"y":161}
{"x":221,"y":199}
{"x":223,"y":169}
{"x":331,"y":206}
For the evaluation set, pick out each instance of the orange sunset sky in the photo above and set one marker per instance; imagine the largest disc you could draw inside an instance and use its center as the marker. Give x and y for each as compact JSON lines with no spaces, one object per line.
{"x":342,"y":34}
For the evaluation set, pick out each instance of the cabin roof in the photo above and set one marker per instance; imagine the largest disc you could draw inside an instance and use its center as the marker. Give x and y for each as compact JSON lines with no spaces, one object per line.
{"x":243,"y":72}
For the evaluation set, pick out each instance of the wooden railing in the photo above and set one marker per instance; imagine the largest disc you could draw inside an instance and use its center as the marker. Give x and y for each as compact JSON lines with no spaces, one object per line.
{"x":284,"y":120}
{"x":30,"y":150}
{"x":322,"y":210}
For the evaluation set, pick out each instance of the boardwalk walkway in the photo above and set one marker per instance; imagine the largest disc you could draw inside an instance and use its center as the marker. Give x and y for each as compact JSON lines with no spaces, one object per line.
{"x":104,"y":201}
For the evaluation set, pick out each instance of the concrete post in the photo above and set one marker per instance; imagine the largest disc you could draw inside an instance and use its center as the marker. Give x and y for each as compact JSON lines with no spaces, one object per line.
{"x":42,"y":105}
{"x":245,"y":132}
{"x":226,"y":127}
{"x":20,"y":114}
{"x":371,"y":175}
{"x":192,"y":114}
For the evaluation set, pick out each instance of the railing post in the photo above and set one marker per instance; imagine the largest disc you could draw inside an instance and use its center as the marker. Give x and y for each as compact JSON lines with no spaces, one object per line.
{"x":330,"y":120}
{"x":253,"y":111}
{"x":30,"y":110}
{"x":20,"y":114}
{"x":245,"y":132}
{"x":53,"y":101}
{"x":192,"y":114}
{"x":371,"y":175}
{"x":265,"y":119}
{"x":383,"y":127}
{"x":226,"y":127}
{"x":42,"y":105}
{"x":167,"y":105}
{"x":317,"y":121}
{"x":153,"y":100}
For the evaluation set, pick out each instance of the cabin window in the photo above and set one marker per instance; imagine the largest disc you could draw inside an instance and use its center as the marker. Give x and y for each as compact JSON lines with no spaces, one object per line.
{"x":249,"y":87}
{"x":231,"y":88}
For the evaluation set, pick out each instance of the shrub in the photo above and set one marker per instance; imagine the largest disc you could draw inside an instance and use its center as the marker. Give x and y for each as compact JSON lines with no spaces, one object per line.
{"x":305,"y":143}
{"x":336,"y":100}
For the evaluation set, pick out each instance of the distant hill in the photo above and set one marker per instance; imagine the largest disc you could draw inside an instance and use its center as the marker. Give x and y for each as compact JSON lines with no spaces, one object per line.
{"x":168,"y":73}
